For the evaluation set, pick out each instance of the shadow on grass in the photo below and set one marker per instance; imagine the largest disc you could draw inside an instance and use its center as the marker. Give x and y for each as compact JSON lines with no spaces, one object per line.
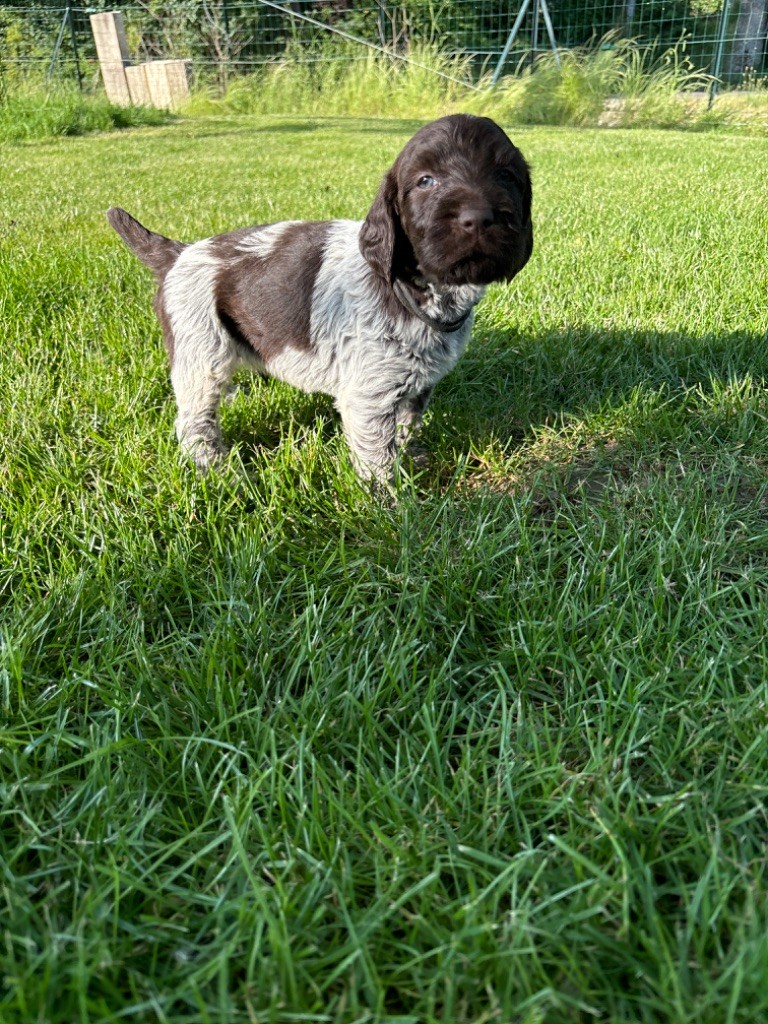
{"x":576,"y":399}
{"x":368,"y":125}
{"x":507,"y":382}
{"x":207,"y":128}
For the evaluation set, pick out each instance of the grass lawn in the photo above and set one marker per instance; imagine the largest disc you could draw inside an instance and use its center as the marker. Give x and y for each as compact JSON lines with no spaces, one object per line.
{"x":496,"y":752}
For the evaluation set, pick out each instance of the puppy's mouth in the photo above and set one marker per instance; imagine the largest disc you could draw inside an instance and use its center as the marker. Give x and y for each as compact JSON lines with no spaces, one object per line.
{"x":490,"y":255}
{"x":481,"y":265}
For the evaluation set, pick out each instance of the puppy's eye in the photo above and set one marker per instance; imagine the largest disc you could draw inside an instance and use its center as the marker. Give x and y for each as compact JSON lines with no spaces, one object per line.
{"x":505,"y":174}
{"x":426,"y":181}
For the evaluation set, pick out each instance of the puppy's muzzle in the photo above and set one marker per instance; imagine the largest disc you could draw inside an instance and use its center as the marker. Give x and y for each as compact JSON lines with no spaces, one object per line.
{"x":475,"y":219}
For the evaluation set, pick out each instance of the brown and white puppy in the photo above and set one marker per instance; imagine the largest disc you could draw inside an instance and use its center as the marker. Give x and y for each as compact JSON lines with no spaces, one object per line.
{"x":374,"y":313}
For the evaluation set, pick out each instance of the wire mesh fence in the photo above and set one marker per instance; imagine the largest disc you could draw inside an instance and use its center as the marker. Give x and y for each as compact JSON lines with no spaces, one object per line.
{"x":219,"y":38}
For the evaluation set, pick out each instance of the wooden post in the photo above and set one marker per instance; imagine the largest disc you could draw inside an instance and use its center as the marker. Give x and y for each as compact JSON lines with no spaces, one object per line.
{"x":168,"y":82}
{"x":138,"y":86}
{"x":158,"y":83}
{"x":112,"y":50}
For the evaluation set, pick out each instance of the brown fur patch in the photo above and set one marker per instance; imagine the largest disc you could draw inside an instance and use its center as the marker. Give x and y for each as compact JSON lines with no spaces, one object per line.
{"x":455,"y":208}
{"x":265,"y":302}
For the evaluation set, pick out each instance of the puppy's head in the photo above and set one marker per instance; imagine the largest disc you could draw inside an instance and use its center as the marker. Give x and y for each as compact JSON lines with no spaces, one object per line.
{"x":455,"y":208}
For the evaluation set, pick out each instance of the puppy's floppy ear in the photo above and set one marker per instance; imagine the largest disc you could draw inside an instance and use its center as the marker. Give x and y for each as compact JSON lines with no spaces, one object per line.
{"x":525,"y":245}
{"x":526,"y":250}
{"x":380,"y":228}
{"x":527,"y":195}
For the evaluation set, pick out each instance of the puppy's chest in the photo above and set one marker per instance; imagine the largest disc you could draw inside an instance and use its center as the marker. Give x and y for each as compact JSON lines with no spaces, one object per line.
{"x":422,"y":365}
{"x":401,"y":365}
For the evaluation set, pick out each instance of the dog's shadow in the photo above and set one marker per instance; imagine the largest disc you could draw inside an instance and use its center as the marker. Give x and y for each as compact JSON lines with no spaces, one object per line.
{"x":589,"y":405}
{"x":259,"y":412}
{"x":508,"y":388}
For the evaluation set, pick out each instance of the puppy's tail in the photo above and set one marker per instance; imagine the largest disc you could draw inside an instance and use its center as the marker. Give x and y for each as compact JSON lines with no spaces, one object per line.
{"x":158,"y":252}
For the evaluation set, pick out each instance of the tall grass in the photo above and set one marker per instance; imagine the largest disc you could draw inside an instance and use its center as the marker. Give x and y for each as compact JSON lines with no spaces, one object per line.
{"x":37,"y":112}
{"x":617,"y":82}
{"x":343,"y":80}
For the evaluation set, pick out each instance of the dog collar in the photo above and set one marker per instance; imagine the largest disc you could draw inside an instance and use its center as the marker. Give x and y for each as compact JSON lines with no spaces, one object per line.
{"x":443,"y":326}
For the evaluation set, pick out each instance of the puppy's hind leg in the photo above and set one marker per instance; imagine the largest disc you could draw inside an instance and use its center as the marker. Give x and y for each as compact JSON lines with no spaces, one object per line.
{"x":202,"y":369}
{"x":203,"y":354}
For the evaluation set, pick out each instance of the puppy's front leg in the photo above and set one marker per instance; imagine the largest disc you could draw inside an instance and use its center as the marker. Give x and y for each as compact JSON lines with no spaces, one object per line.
{"x":370,"y":434}
{"x":409,"y":415}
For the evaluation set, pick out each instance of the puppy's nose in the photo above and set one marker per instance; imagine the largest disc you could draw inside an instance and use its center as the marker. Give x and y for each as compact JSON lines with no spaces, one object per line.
{"x":475,"y":218}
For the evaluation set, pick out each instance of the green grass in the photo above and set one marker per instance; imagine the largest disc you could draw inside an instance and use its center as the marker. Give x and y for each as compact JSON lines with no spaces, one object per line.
{"x":35,"y":112}
{"x":496,"y":751}
{"x":615,"y":83}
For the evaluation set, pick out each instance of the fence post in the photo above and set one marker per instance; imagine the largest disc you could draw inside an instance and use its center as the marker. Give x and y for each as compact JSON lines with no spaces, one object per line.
{"x":719,"y":50}
{"x":75,"y":53}
{"x":535,"y":33}
{"x":112,"y":51}
{"x":227,"y":45}
{"x":382,"y":12}
{"x":539,"y":4}
{"x":510,"y":40}
{"x":56,"y":48}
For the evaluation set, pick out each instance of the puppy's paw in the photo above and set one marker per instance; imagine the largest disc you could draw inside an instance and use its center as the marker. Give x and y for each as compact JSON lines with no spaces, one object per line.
{"x":206,"y":455}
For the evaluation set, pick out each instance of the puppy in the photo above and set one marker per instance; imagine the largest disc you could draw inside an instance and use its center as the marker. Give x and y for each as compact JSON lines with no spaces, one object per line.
{"x":374,"y":313}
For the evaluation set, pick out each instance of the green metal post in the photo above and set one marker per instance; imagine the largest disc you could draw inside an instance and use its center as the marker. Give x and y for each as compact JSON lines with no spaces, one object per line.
{"x":719,"y":50}
{"x":73,"y":35}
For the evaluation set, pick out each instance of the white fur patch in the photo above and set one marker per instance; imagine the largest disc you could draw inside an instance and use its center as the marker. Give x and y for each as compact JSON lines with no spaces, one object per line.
{"x":263,"y":240}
